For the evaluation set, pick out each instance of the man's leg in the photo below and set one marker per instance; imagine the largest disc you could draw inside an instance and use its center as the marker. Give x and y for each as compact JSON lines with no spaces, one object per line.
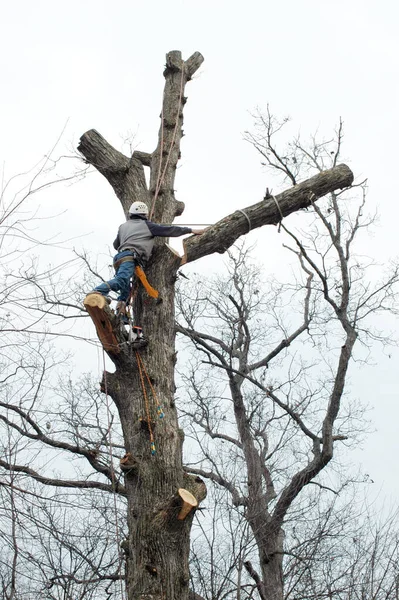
{"x":103,"y":288}
{"x":121,"y":281}
{"x":123,"y":277}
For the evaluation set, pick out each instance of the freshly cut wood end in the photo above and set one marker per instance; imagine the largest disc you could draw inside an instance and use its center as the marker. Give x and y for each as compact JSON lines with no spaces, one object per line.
{"x":188,"y":503}
{"x":175,"y":252}
{"x":95,"y":301}
{"x":97,"y":307}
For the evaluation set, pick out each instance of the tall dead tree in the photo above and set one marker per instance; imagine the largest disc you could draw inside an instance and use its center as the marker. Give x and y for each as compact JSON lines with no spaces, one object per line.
{"x":158,"y":544}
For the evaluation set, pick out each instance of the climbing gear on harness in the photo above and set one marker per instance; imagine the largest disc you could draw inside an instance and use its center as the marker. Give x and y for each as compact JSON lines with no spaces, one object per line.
{"x":160,"y":413}
{"x":137,"y":332}
{"x":131,"y":258}
{"x":139,"y":344}
{"x":136,"y":337}
{"x":120,"y":308}
{"x":138,"y":208}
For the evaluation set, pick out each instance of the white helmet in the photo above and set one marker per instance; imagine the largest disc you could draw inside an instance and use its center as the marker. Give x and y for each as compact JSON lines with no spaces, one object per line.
{"x":138,"y":208}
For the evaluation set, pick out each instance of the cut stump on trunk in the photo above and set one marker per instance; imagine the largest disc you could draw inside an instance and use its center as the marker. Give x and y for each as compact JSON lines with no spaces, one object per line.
{"x":188,"y":503}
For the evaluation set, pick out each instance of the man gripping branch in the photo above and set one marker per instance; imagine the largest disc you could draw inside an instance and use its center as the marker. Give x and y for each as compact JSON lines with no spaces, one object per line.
{"x":134,"y":244}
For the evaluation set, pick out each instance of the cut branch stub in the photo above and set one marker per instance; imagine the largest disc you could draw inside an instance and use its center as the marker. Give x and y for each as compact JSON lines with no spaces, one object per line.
{"x":188,"y":503}
{"x":98,"y":309}
{"x":126,"y":175}
{"x":222,"y":235}
{"x":128,"y":464}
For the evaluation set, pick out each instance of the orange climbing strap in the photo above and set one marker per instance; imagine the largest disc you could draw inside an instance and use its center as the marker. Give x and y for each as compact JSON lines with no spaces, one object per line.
{"x":143,"y":278}
{"x":140,"y":275}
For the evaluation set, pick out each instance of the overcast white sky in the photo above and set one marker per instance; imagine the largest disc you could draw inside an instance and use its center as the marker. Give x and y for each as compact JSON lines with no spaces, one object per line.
{"x":98,"y":64}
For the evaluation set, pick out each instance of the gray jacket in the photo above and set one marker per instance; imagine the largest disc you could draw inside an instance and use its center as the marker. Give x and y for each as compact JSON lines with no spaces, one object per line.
{"x":138,"y":234}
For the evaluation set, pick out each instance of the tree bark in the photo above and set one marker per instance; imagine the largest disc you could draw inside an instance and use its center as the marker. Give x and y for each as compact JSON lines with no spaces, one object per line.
{"x":158,"y":544}
{"x":271,"y":210}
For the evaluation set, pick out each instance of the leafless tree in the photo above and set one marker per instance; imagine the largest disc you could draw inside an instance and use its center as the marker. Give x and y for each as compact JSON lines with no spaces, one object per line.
{"x":264,"y":394}
{"x":53,"y":543}
{"x":336,"y":546}
{"x":157,"y":546}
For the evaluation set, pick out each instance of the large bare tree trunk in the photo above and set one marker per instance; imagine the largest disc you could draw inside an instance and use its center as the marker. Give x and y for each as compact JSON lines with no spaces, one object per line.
{"x":158,"y":545}
{"x":158,"y":549}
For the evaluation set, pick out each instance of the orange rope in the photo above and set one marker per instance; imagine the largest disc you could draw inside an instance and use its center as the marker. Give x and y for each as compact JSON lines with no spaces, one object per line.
{"x":146,"y":402}
{"x":113,"y":474}
{"x":160,"y":179}
{"x":158,"y":184}
{"x":159,"y":407}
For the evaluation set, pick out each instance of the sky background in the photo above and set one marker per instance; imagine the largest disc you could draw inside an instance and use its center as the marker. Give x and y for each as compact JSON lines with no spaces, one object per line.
{"x":86,"y":64}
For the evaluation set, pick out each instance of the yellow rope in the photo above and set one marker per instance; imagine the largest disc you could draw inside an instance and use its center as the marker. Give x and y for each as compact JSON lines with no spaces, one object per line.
{"x":161,"y":177}
{"x":146,"y":403}
{"x":159,"y":407}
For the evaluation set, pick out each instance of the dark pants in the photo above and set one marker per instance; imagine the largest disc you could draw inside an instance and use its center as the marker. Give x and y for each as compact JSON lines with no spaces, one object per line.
{"x":121,"y":281}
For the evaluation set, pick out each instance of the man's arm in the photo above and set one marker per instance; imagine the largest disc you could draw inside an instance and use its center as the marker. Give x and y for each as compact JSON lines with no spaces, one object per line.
{"x":169,"y":230}
{"x":117,"y":241}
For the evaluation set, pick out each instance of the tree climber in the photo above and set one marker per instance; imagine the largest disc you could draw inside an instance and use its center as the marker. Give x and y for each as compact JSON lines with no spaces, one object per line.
{"x":134,"y":244}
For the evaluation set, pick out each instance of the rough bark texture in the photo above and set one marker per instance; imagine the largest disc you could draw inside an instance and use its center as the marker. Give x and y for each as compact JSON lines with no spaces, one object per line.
{"x":158,"y":548}
{"x":224,"y":233}
{"x":158,"y":545}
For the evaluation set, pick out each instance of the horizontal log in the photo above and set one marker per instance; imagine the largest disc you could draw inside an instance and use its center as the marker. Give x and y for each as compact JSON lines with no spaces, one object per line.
{"x":221,"y":236}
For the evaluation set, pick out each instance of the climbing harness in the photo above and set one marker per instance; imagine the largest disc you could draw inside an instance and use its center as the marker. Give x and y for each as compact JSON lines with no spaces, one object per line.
{"x":143,"y":373}
{"x":139,"y":273}
{"x":135,"y":337}
{"x":124,"y":309}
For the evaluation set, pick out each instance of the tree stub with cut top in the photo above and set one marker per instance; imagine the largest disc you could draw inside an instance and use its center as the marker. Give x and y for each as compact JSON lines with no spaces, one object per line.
{"x":101,"y":315}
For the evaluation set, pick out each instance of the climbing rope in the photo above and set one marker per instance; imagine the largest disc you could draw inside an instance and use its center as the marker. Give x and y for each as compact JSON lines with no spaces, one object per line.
{"x":160,"y":412}
{"x":280,"y":211}
{"x":247,"y":218}
{"x":113,"y":480}
{"x":143,"y":373}
{"x":147,"y":405}
{"x":160,"y":177}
